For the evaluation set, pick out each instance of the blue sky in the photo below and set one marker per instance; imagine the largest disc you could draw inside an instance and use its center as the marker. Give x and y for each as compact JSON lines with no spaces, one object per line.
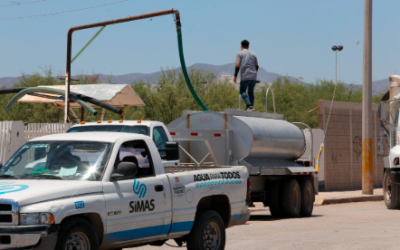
{"x":290,"y":37}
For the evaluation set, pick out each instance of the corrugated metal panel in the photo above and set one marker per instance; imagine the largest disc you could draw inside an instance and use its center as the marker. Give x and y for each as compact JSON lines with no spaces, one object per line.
{"x":33,"y":130}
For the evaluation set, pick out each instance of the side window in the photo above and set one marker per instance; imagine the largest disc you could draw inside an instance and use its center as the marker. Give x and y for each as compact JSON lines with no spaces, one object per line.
{"x":138,"y":153}
{"x":160,"y":139}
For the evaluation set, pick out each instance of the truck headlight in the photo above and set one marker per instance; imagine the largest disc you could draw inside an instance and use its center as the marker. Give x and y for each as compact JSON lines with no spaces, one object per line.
{"x":36,"y":219}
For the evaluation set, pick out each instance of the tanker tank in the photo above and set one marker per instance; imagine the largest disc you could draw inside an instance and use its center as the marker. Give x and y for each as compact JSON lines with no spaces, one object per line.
{"x":255,"y":139}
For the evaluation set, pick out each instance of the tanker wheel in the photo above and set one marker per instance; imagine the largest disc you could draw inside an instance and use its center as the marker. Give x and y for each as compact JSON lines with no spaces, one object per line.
{"x":275,"y":202}
{"x":391,"y":192}
{"x":291,"y":198}
{"x":307,"y":198}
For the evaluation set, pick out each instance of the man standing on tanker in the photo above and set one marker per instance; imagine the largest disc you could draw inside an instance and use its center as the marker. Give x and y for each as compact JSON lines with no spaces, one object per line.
{"x":246,"y":62}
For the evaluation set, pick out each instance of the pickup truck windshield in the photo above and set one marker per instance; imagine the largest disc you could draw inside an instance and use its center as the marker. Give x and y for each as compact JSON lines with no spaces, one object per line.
{"x":144,"y":130}
{"x":67,"y":160}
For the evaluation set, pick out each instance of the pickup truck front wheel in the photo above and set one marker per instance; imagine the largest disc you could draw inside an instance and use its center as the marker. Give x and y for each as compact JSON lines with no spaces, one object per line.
{"x":208,"y":232}
{"x":77,"y":234}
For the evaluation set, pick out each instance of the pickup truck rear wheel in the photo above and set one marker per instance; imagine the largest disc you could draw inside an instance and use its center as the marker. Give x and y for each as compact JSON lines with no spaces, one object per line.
{"x":307,"y":198}
{"x":208,"y":232}
{"x":291,"y":198}
{"x":391,"y":192}
{"x":77,"y":234}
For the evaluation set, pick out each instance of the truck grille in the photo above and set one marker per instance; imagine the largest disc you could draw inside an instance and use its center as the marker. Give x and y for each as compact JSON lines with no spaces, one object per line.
{"x":8,"y":212}
{"x":5,"y":207}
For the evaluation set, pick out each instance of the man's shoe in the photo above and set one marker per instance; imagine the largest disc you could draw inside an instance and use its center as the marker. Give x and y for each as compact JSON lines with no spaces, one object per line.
{"x":250,"y":109}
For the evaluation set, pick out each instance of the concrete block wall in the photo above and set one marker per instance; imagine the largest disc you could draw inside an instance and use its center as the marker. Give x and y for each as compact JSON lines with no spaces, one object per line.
{"x":342,"y":152}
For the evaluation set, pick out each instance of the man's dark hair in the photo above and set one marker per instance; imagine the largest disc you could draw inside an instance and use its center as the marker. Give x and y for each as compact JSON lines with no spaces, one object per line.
{"x":245,"y":44}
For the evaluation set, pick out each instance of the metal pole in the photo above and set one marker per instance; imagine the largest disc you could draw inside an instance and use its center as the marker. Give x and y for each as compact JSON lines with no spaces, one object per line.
{"x":103,"y":24}
{"x":367,"y":143}
{"x":336,"y":69}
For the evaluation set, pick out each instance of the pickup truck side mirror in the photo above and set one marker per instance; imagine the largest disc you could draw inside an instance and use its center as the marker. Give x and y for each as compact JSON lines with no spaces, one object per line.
{"x":171,"y":151}
{"x":124,"y":170}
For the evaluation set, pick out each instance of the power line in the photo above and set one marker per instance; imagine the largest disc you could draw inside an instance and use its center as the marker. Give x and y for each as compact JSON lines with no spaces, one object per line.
{"x":62,"y":12}
{"x":15,"y":4}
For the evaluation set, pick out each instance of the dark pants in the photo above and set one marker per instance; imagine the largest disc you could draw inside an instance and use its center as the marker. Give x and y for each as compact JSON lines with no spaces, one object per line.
{"x":248,"y":98}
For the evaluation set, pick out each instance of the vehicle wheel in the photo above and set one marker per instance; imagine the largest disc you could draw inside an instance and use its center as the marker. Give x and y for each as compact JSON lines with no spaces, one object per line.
{"x":77,"y":234}
{"x":391,"y":192}
{"x":275,"y":201}
{"x":208,"y":232}
{"x":291,"y":198}
{"x":307,"y":198}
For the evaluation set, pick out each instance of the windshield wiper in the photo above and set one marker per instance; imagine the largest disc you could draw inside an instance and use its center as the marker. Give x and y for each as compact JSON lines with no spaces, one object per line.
{"x":8,"y":176}
{"x":46,"y":176}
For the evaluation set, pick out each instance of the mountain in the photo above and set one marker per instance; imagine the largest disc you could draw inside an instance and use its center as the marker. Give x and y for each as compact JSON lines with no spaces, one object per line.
{"x":222,"y":71}
{"x":380,"y":86}
{"x":8,"y":82}
{"x":219,"y":70}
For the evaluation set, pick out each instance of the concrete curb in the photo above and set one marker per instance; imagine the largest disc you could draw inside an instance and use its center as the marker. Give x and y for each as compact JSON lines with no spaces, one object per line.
{"x":330,"y":201}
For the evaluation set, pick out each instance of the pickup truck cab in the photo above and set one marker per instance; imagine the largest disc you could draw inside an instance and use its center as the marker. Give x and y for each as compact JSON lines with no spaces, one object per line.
{"x":156,"y":130}
{"x":107,"y":190}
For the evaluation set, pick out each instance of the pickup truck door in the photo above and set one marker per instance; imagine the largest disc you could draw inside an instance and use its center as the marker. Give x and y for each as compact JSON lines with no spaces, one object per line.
{"x":137,"y":207}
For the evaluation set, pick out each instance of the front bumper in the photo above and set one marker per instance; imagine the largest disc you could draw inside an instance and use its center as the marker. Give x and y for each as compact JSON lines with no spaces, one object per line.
{"x":28,"y":237}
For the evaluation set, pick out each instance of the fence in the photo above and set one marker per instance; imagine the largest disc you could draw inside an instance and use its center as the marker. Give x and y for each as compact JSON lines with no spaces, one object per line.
{"x":11,"y":138}
{"x":33,"y":130}
{"x":13,"y":134}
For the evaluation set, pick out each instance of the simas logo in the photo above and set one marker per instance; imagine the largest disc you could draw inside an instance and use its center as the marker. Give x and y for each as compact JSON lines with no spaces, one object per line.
{"x":139,"y":188}
{"x":10,"y":187}
{"x":141,"y":206}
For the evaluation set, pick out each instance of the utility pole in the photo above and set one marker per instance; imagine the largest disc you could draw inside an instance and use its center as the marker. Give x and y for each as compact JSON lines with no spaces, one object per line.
{"x":367,"y":143}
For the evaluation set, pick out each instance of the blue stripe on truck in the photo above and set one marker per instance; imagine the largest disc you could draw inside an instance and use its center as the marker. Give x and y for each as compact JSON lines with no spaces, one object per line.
{"x":238,"y":216}
{"x":145,"y":232}
{"x":181,"y":226}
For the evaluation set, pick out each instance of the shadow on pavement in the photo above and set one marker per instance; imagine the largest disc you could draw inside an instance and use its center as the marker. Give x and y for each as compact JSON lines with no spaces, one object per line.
{"x":261,"y":217}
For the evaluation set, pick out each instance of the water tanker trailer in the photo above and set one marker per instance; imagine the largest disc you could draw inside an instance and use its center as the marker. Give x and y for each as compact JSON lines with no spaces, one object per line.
{"x":272,"y":149}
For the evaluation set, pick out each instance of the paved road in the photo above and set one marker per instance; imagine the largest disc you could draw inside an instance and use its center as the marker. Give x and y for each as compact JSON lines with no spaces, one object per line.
{"x":363,"y":225}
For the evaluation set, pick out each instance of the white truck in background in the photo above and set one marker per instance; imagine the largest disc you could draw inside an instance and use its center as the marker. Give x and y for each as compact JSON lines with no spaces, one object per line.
{"x":94,"y":190}
{"x":156,"y":130}
{"x":282,"y":176}
{"x":389,"y":116}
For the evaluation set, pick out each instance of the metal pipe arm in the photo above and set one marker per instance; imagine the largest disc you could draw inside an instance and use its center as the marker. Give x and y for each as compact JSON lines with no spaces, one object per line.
{"x":80,"y":96}
{"x":20,"y":94}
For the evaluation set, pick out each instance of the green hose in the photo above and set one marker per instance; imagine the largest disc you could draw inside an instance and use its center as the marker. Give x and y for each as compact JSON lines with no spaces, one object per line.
{"x":20,"y":94}
{"x":185,"y":74}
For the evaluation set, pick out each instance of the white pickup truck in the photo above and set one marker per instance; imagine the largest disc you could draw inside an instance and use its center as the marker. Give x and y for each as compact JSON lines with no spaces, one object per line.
{"x":155,"y":129}
{"x":109,"y":190}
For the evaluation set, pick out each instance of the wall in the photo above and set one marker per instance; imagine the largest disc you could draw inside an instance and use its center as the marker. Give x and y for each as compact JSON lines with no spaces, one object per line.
{"x":342,"y":152}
